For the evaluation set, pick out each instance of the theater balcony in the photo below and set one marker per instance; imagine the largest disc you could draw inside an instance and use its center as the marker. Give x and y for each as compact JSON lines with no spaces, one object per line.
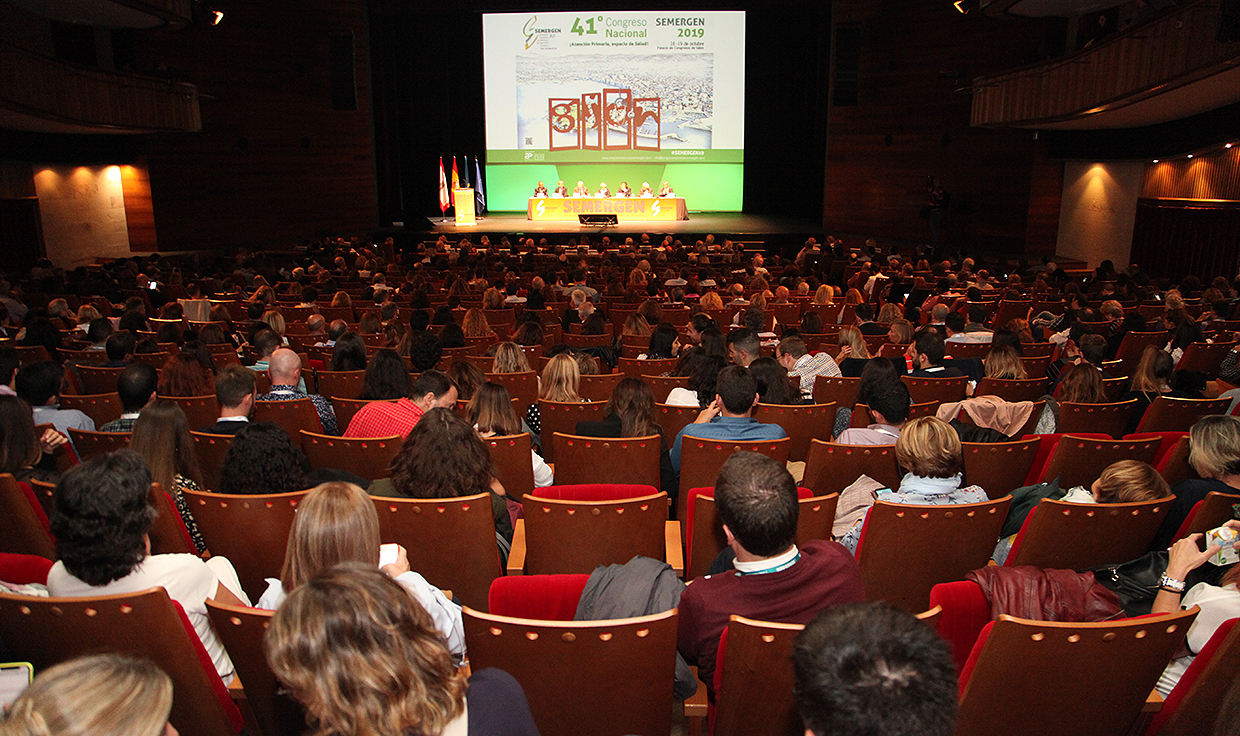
{"x":39,"y":93}
{"x":1180,"y":63}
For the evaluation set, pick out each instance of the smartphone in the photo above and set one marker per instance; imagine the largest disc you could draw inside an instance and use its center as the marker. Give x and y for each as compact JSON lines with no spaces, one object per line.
{"x":388,"y":554}
{"x":14,"y":677}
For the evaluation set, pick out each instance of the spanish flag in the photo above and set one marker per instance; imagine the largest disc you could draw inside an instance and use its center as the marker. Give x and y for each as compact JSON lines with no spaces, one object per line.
{"x":456,"y":181}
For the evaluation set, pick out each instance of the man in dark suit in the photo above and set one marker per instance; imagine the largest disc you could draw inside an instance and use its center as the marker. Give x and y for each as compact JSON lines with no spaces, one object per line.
{"x":234,"y":389}
{"x":540,"y":190}
{"x":865,"y":320}
{"x":561,"y":190}
{"x":927,"y":352}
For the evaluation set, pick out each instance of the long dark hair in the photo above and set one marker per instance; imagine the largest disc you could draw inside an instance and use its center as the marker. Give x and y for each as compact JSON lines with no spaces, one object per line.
{"x":161,"y":436}
{"x":773,"y":384}
{"x":349,"y":353}
{"x":386,"y":377}
{"x":633,"y":402}
{"x":443,"y":457}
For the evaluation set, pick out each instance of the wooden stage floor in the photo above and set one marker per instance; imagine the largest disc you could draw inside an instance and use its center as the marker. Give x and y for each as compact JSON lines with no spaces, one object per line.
{"x":721,"y":224}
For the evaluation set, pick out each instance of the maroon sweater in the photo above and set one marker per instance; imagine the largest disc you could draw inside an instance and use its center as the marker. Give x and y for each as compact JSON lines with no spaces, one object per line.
{"x":826,"y":575}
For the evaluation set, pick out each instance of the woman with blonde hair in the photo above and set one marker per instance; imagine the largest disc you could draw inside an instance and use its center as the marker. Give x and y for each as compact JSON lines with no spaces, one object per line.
{"x":492,"y":414}
{"x":273,"y":319}
{"x":492,"y":298}
{"x":474,"y":323}
{"x":1214,"y":453}
{"x":900,"y":332}
{"x":1004,"y":362}
{"x":390,"y":673}
{"x":824,"y":296}
{"x":559,"y":382}
{"x":510,"y":358}
{"x":890,"y":312}
{"x":337,"y":522}
{"x":1151,"y":379}
{"x":852,"y":348}
{"x":930,"y":452}
{"x":87,"y":313}
{"x":711,"y":300}
{"x":99,"y":695}
{"x":635,"y":325}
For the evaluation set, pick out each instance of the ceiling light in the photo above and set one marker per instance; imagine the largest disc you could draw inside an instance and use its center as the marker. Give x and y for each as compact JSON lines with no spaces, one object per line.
{"x":216,"y":17}
{"x":1190,"y":155}
{"x":1155,"y":160}
{"x":1227,"y":146}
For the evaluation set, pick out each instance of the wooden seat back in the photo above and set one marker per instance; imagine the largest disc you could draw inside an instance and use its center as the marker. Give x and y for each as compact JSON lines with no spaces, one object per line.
{"x":906,"y":550}
{"x":1193,"y":705}
{"x":1078,"y":461}
{"x":1111,"y":419}
{"x":450,"y":541}
{"x":674,"y":418}
{"x":1076,"y":536}
{"x":251,"y":531}
{"x":661,"y":386}
{"x":562,"y":417}
{"x":600,"y":387}
{"x":1205,"y":357}
{"x":344,"y":384}
{"x":999,"y":467}
{"x":803,"y":423}
{"x":521,"y":386}
{"x":241,"y":630}
{"x":293,"y":415}
{"x":211,"y":449}
{"x":513,"y":463}
{"x":701,"y":459}
{"x":101,"y":408}
{"x":628,"y":664}
{"x":97,"y":379}
{"x":200,"y":411}
{"x":366,"y":457}
{"x":563,"y":536}
{"x":831,"y":467}
{"x":48,"y":631}
{"x":1209,"y":513}
{"x":756,"y":656}
{"x":836,"y":390}
{"x":88,"y":444}
{"x":1167,"y":414}
{"x":168,"y":533}
{"x":1116,"y":662}
{"x":634,"y":368}
{"x":631,"y":460}
{"x":23,"y":522}
{"x":1012,"y":389}
{"x":942,"y":390}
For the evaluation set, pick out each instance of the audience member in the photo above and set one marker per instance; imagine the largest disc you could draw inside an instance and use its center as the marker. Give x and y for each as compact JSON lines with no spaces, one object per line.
{"x":926,"y":354}
{"x":431,"y":390}
{"x":728,"y":417}
{"x":1214,"y":453}
{"x":234,"y":392}
{"x":161,"y":436}
{"x":101,"y":520}
{"x":393,"y":673}
{"x":386,"y":377}
{"x":38,"y":384}
{"x":792,"y":354}
{"x":22,"y":446}
{"x":630,"y":412}
{"x":774,"y":578}
{"x":136,"y":387}
{"x":888,"y":404}
{"x":262,"y":460}
{"x":284,"y":369}
{"x":870,"y":668}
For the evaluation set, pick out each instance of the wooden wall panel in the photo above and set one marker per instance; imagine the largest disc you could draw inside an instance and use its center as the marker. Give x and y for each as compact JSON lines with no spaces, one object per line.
{"x":274,"y":162}
{"x":1213,"y":176}
{"x":139,"y":212}
{"x":914,"y":57}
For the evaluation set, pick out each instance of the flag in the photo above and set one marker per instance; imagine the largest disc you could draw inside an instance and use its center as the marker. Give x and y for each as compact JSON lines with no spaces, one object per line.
{"x":444,"y":199}
{"x":465,"y":174}
{"x":479,"y":195}
{"x":456,"y":181}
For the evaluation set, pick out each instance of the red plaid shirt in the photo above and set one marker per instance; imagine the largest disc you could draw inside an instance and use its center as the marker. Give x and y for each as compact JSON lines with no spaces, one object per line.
{"x":384,"y":419}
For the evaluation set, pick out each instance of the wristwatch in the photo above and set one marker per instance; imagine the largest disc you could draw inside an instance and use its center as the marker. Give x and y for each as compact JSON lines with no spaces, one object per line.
{"x":1171,"y":585}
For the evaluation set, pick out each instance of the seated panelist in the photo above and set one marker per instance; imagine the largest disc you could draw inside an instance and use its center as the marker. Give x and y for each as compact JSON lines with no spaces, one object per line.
{"x":666,"y":191}
{"x":540,"y":190}
{"x":646,"y":191}
{"x":603,"y":191}
{"x":580,"y":190}
{"x":624,"y":190}
{"x":560,"y":190}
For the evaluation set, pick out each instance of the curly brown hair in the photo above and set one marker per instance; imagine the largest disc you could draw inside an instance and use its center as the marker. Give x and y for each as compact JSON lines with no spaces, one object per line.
{"x":443,"y":457}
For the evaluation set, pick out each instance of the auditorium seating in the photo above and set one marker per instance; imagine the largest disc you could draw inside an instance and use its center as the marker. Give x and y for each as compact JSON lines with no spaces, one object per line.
{"x":632,"y":460}
{"x":1069,"y":536}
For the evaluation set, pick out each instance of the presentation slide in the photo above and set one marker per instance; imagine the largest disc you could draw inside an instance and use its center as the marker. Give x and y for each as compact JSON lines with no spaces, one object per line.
{"x":612,"y":97}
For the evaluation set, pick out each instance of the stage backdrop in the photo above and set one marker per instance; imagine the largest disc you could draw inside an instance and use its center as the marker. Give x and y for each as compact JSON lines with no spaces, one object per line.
{"x":612,"y":97}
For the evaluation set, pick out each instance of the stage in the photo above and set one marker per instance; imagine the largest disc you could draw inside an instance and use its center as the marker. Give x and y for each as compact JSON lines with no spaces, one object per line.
{"x":721,"y":224}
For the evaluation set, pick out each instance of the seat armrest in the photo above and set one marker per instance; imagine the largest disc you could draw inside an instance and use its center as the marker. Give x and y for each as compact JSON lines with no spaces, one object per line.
{"x":672,"y":551}
{"x":516,"y":557}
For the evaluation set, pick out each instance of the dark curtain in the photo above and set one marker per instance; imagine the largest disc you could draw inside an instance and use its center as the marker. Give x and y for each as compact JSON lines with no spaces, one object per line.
{"x":1174,"y":239}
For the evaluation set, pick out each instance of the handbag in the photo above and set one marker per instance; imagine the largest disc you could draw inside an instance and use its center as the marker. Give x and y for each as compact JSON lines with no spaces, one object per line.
{"x":1136,"y":582}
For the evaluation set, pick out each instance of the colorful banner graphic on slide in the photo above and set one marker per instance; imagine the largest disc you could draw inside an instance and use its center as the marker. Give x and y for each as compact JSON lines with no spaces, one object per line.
{"x":618,"y":97}
{"x":625,"y":209}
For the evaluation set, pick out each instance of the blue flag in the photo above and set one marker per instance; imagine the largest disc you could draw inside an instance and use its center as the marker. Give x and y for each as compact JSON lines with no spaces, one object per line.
{"x":479,"y":195}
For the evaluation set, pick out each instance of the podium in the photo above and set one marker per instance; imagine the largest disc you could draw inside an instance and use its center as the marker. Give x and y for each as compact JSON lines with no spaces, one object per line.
{"x":464,"y":199}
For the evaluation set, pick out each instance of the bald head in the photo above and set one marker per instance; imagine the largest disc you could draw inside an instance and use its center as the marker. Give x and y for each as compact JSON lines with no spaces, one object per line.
{"x":284,"y":367}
